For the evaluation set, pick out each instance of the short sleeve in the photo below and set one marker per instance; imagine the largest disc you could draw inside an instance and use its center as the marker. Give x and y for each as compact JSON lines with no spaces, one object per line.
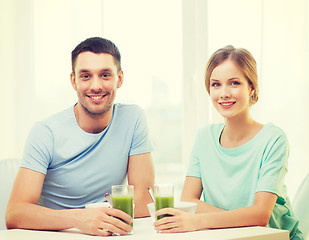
{"x":140,"y":142}
{"x":274,"y":166}
{"x":38,"y":148}
{"x":194,"y":164}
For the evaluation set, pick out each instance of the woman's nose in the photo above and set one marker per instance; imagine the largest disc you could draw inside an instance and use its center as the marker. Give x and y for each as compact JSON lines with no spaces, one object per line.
{"x":225,"y":93}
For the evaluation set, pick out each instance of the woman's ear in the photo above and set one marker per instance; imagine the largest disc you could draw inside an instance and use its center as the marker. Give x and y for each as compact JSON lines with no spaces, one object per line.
{"x":252,"y":91}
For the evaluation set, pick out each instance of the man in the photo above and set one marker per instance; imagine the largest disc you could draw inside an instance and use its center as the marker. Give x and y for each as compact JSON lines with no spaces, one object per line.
{"x":74,"y":157}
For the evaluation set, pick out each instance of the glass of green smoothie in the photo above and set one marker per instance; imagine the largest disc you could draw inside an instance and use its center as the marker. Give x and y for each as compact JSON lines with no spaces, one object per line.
{"x":164,"y":197}
{"x":122,"y":196}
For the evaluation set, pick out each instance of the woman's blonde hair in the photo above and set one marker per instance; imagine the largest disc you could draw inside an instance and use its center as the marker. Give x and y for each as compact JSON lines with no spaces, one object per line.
{"x":240,"y":57}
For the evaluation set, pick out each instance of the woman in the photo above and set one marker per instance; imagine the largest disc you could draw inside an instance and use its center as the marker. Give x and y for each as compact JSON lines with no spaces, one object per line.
{"x":239,"y":165}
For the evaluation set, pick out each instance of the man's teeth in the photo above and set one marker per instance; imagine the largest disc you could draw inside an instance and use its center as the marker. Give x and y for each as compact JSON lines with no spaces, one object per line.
{"x":96,"y":97}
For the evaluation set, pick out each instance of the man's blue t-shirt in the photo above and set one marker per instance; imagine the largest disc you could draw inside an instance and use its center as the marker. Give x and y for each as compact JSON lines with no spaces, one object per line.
{"x":80,"y":167}
{"x":231,"y":177}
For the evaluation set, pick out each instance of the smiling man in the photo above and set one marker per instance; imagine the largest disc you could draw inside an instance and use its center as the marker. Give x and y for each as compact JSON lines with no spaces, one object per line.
{"x":74,"y":157}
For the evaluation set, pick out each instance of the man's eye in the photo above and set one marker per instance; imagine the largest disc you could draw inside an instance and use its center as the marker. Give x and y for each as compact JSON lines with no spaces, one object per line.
{"x":85,"y":76}
{"x":106,"y":75}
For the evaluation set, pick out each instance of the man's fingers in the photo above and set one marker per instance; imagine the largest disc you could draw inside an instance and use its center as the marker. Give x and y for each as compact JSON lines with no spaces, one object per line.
{"x":104,"y":232}
{"x":119,"y":214}
{"x":110,"y":228}
{"x":114,"y":224}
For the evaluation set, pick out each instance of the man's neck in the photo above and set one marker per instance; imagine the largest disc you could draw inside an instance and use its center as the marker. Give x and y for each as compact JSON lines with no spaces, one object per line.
{"x":92,"y":123}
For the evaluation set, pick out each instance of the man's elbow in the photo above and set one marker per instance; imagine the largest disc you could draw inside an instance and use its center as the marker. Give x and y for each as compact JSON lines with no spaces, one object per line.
{"x":10,"y":221}
{"x":12,"y":217}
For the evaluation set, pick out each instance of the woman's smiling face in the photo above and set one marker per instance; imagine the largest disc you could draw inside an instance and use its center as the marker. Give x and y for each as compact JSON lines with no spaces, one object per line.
{"x":229,"y":90}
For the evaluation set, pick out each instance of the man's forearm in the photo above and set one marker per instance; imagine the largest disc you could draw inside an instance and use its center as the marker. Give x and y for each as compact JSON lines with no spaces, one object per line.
{"x":141,"y":200}
{"x":32,"y":216}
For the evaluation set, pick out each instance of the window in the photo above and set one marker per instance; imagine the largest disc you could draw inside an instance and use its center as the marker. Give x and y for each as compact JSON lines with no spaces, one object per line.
{"x":149,"y":38}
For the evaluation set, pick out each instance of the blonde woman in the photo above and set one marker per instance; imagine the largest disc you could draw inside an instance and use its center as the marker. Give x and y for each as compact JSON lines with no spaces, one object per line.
{"x":239,"y":165}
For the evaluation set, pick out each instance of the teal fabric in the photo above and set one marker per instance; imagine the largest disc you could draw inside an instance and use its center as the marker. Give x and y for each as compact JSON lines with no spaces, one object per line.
{"x":300,"y":206}
{"x":231,"y":177}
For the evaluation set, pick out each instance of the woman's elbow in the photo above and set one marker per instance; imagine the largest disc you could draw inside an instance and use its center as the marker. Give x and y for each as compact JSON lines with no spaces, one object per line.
{"x":263,"y":219}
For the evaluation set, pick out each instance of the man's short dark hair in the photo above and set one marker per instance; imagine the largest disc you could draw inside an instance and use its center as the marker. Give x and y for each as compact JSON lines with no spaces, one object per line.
{"x":97,"y":45}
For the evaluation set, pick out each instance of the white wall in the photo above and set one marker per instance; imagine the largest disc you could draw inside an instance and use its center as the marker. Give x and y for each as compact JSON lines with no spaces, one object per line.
{"x":38,"y":36}
{"x":276,"y":33}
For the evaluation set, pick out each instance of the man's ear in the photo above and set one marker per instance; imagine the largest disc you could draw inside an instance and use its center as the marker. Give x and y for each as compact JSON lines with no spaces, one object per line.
{"x":120,"y":79}
{"x":73,"y":80}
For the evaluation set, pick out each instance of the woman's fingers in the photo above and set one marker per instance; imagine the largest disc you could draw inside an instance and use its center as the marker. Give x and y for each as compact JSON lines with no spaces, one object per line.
{"x":169,"y":211}
{"x":178,"y":221}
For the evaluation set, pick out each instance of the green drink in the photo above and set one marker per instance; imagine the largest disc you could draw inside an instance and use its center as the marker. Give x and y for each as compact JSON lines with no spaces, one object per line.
{"x":122,"y":196}
{"x":125,"y":204}
{"x":164,"y":197}
{"x":164,"y":202}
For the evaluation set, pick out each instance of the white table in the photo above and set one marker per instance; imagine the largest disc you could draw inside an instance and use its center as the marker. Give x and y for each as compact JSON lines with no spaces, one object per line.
{"x":143,"y":230}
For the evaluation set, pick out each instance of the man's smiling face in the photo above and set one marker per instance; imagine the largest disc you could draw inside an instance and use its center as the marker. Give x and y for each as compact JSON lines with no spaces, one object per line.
{"x":96,"y":80}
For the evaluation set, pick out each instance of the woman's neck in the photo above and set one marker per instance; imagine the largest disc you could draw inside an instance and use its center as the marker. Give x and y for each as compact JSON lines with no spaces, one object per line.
{"x":238,"y":131}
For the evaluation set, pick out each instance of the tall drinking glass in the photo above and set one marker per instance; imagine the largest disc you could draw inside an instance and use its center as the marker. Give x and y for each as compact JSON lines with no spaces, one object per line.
{"x":122,"y":196}
{"x":164,"y":197}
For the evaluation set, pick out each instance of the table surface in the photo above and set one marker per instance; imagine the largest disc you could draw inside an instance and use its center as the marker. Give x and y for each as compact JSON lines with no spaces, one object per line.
{"x":143,"y":229}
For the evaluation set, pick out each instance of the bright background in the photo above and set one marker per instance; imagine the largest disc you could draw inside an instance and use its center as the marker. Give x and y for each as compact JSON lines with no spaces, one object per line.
{"x":164,"y":45}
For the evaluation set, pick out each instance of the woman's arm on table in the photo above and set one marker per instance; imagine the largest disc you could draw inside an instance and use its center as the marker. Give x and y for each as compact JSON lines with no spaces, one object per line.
{"x":256,"y":215}
{"x":191,"y":192}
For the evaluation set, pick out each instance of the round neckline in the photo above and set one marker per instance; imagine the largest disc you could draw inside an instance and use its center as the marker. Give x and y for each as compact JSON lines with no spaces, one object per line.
{"x":243,"y":146}
{"x":91,"y":134}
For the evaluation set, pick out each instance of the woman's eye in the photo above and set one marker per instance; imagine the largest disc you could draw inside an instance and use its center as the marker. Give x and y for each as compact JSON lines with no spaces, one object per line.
{"x":235,"y":83}
{"x":215,"y":84}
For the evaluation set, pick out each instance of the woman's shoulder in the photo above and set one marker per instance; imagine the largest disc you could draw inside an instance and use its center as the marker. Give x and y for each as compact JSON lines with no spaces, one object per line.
{"x":273,"y":130}
{"x":211,"y":129}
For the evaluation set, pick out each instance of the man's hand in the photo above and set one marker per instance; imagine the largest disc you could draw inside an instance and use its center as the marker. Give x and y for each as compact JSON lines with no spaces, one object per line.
{"x":103,"y":221}
{"x":23,"y":212}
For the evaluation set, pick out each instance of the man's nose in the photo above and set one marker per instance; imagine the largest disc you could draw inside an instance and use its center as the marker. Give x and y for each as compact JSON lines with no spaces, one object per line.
{"x":96,"y":84}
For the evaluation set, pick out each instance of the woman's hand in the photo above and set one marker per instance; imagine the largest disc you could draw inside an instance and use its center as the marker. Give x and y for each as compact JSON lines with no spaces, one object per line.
{"x":179,"y":221}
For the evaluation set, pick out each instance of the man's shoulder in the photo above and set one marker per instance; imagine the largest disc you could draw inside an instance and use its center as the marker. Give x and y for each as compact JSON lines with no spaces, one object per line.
{"x":58,"y":118}
{"x":127,"y":107}
{"x":129,"y":110}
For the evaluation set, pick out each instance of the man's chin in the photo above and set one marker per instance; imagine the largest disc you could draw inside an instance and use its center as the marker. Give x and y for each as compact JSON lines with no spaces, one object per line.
{"x":98,"y":111}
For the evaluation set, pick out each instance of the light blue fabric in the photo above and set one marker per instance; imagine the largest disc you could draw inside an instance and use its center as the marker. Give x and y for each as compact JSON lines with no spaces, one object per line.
{"x":81,"y":167}
{"x":231,"y":177}
{"x":8,"y":170}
